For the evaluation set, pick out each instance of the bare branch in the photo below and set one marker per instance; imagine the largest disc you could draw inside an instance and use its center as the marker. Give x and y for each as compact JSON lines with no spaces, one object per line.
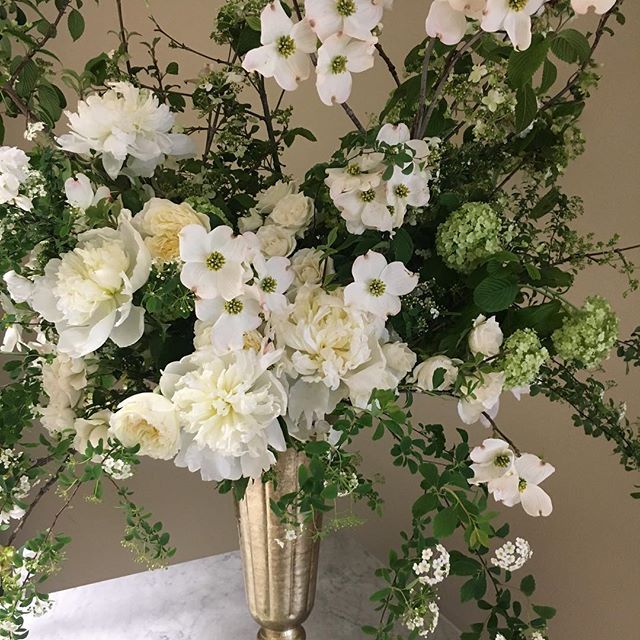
{"x":392,"y":67}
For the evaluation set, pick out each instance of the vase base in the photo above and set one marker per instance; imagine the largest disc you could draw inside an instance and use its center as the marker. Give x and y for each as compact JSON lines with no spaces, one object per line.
{"x":290,"y":634}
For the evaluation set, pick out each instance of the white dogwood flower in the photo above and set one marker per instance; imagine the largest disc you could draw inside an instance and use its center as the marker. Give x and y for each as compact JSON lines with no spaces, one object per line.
{"x":491,"y":460}
{"x":447,"y":19}
{"x":286,"y":48}
{"x":365,"y":210}
{"x":274,"y":279}
{"x":80,"y":193}
{"x":214,"y":262}
{"x":521,"y":486}
{"x":377,"y":285}
{"x":361,"y":174}
{"x":339,"y":57}
{"x":354,"y":18}
{"x":599,"y":6}
{"x":406,"y":190}
{"x":512,"y":16}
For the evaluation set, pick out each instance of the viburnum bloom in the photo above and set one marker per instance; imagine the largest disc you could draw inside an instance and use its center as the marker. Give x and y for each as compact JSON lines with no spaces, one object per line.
{"x":229,"y":407}
{"x":599,"y":6}
{"x":491,"y":460}
{"x":214,"y":262}
{"x":512,"y":16}
{"x":354,"y":18}
{"x":80,"y":193}
{"x":379,"y":285}
{"x":365,"y":210}
{"x":339,"y":57}
{"x":125,"y":121}
{"x":14,"y":171}
{"x":274,"y":279}
{"x":88,"y":292}
{"x":447,"y":19}
{"x":521,"y":485}
{"x":286,"y":48}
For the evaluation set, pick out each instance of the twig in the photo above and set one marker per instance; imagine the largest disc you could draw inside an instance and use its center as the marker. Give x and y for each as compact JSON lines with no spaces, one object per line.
{"x":597,"y":254}
{"x":417,"y":124}
{"x":392,"y":67}
{"x":264,"y":100}
{"x":496,"y":429}
{"x":123,"y":38}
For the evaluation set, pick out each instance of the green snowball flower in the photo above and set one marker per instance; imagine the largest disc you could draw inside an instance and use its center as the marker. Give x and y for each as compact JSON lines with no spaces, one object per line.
{"x":588,"y":334}
{"x":524,"y":355}
{"x":470,"y":235}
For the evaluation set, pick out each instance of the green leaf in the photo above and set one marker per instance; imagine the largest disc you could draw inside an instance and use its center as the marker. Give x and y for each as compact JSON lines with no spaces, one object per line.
{"x":496,"y":293}
{"x":528,"y":585}
{"x":50,"y":102}
{"x":549,"y":76}
{"x":545,"y":204}
{"x":253,"y":22}
{"x":75,"y":22}
{"x":544,"y":612}
{"x":173,"y":69}
{"x":445,"y":523}
{"x":28,"y":79}
{"x":462,"y":565}
{"x":402,"y":245}
{"x":523,"y":64}
{"x":571,"y":46}
{"x":424,"y":504}
{"x":291,"y":135}
{"x":526,"y":107}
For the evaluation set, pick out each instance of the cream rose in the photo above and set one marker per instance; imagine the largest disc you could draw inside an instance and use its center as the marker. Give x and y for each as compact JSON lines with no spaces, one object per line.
{"x":276,"y":240}
{"x":160,"y":223}
{"x":424,"y":372}
{"x":91,"y":431}
{"x":148,"y":420}
{"x":250,"y":222}
{"x":308,"y":266}
{"x":269,"y":198}
{"x":293,"y":212}
{"x":400,"y":359}
{"x":485,"y":337}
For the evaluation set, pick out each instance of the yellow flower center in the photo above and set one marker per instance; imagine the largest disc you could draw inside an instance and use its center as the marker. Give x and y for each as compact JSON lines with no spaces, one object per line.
{"x":339,"y":65}
{"x":402,"y":191}
{"x":377,"y":287}
{"x":215,"y":261}
{"x":522,"y":485}
{"x":346,"y":8}
{"x":517,"y":5}
{"x":268,"y":284}
{"x":233,"y":307}
{"x":368,"y":196}
{"x":286,"y":46}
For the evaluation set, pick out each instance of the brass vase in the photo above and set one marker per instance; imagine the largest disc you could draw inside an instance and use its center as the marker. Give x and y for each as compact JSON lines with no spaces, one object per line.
{"x":279,"y":574}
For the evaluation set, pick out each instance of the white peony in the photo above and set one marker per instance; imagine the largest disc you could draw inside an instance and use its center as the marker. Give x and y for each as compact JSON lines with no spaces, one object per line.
{"x":14,"y":171}
{"x":482,"y":398}
{"x":64,"y":379}
{"x":400,"y":359}
{"x":309,"y":266}
{"x":88,"y":292}
{"x":485,"y":337}
{"x":148,"y":420}
{"x":160,"y":223}
{"x":125,"y":121}
{"x":293,"y":212}
{"x":424,"y":372}
{"x":276,"y":240}
{"x":229,"y":408}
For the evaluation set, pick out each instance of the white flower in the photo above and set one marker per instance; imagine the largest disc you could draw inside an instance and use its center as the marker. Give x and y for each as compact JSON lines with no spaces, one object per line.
{"x":339,"y":57}
{"x":64,"y":379}
{"x":599,"y":6}
{"x":406,"y":189}
{"x":400,"y":359}
{"x":512,"y":16}
{"x":309,"y":266}
{"x":423,"y":374}
{"x":276,"y":240}
{"x":378,"y":285}
{"x":250,"y":222}
{"x":491,"y":460}
{"x":117,"y":469}
{"x":88,"y":293}
{"x":398,"y":135}
{"x":14,"y":171}
{"x":286,"y":48}
{"x":361,"y":174}
{"x":447,"y":19}
{"x":80,"y":193}
{"x":478,"y":72}
{"x":521,"y":486}
{"x":512,"y":557}
{"x":20,"y":288}
{"x":354,"y":18}
{"x":125,"y":122}
{"x":160,"y":223}
{"x":485,"y":337}
{"x":274,"y":279}
{"x":214,"y":261}
{"x":493,"y":100}
{"x":484,"y":398}
{"x":92,"y":431}
{"x":432,"y":569}
{"x":365,"y":210}
{"x":32,"y":130}
{"x":269,"y":198}
{"x":56,"y":417}
{"x":293,"y":212}
{"x":148,"y":420}
{"x":229,"y":407}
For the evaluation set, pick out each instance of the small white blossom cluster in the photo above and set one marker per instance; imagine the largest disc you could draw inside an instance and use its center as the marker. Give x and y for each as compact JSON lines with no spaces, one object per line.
{"x":32,"y":130}
{"x":372,"y":194}
{"x":512,"y":557}
{"x":432,"y":569}
{"x":117,"y":469}
{"x":11,"y":467}
{"x":423,"y":619}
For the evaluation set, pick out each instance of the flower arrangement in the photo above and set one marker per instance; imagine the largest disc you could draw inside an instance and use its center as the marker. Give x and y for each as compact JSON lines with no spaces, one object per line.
{"x":176,"y":294}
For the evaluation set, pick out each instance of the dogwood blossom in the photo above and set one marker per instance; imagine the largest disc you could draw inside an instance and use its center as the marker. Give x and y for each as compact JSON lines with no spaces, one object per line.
{"x":599,"y":6}
{"x":361,"y":174}
{"x":354,"y":18}
{"x":365,"y":210}
{"x":274,"y":279}
{"x":379,"y":285}
{"x":125,"y":122}
{"x":80,"y":193}
{"x":512,"y":16}
{"x":339,"y":57}
{"x":286,"y":48}
{"x":447,"y":19}
{"x":491,"y":460}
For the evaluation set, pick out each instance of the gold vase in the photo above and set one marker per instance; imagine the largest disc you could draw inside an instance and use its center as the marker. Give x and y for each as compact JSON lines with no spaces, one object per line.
{"x":279,"y":574}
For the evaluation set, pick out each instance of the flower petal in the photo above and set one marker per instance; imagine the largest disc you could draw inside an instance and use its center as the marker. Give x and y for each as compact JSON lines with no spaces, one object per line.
{"x":536,"y":502}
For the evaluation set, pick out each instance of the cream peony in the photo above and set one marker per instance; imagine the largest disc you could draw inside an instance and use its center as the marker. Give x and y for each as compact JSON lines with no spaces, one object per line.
{"x":88,"y":293}
{"x":485,"y":337}
{"x":400,"y":359}
{"x":160,"y":223}
{"x":293,"y":212}
{"x":148,"y":420}
{"x":276,"y":240}
{"x":424,"y":372}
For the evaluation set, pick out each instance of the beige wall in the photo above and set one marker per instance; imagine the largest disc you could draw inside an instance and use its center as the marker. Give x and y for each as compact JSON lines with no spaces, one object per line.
{"x":586,"y":559}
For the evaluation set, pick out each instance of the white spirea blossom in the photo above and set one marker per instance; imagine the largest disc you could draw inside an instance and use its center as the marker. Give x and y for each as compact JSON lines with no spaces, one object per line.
{"x":32,"y":130}
{"x":125,"y":122}
{"x":14,"y":172}
{"x":512,"y":557}
{"x":424,"y":619}
{"x":433,"y":567}
{"x":88,"y":292}
{"x":228,"y":407}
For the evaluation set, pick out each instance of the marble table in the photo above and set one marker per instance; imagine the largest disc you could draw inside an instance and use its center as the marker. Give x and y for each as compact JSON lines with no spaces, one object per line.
{"x":204,"y":600}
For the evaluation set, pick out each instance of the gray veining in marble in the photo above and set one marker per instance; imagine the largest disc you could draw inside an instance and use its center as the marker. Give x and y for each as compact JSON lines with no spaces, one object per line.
{"x":204,"y":600}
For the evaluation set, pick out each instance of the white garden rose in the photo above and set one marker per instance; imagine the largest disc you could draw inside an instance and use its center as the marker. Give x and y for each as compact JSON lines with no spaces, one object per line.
{"x":88,"y":292}
{"x":91,"y":431}
{"x":309,"y":266}
{"x":160,"y":223}
{"x":400,"y":359}
{"x":276,"y":240}
{"x":56,"y":417}
{"x":64,"y":378}
{"x":14,"y":171}
{"x":424,"y":372}
{"x":485,"y":337}
{"x":269,"y":198}
{"x":483,"y":398}
{"x":294,"y":212}
{"x":148,"y":420}
{"x":251,"y":222}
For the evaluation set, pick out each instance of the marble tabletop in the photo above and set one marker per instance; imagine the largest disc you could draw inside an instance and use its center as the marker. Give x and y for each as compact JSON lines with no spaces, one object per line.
{"x":204,"y":600}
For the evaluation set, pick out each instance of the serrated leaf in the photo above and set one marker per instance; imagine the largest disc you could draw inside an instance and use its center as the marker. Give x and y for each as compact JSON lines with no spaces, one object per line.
{"x":496,"y":293}
{"x":253,"y":22}
{"x":75,"y":23}
{"x":523,"y":64}
{"x":571,"y":46}
{"x":526,"y":107}
{"x":445,"y":523}
{"x":549,"y":76}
